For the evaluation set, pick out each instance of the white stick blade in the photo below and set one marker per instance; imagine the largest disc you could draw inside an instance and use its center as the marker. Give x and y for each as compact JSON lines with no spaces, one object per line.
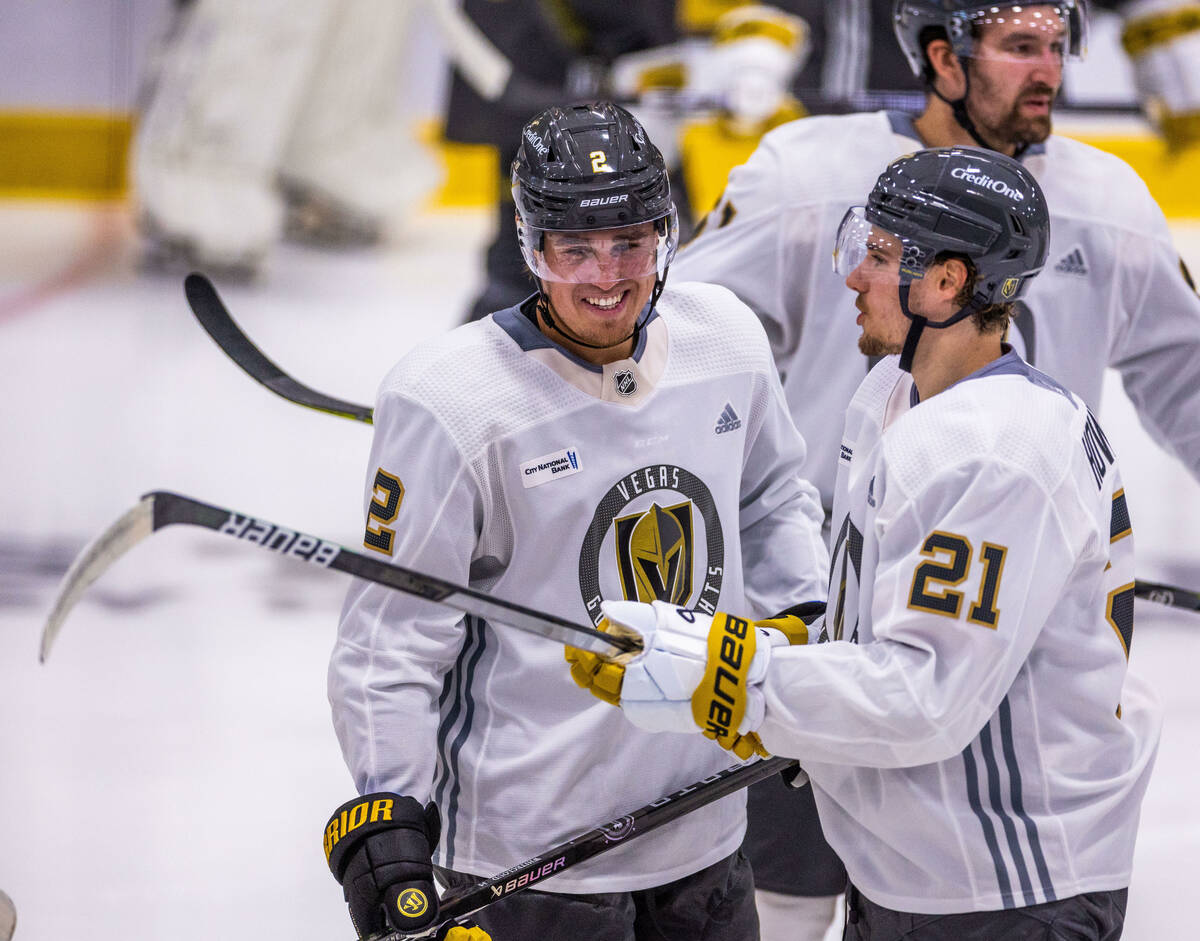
{"x":8,"y":917}
{"x":94,"y":561}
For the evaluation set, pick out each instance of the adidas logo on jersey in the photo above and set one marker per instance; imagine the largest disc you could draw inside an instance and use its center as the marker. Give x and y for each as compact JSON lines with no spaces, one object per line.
{"x":1072,"y":263}
{"x":728,"y":420}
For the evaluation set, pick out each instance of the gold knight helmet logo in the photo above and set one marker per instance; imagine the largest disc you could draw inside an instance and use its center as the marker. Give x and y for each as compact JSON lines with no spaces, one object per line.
{"x":655,"y":555}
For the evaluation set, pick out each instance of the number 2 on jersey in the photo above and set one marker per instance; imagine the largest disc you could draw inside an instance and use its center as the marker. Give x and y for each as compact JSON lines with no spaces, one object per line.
{"x":385,"y":505}
{"x":949,"y":563}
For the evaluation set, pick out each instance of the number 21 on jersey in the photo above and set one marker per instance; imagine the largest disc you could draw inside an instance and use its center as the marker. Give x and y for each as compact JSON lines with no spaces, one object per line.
{"x":948,"y":565}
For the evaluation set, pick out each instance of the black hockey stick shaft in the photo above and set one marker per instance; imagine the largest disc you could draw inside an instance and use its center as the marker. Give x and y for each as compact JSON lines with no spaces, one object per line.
{"x":215,"y":318}
{"x":458,"y":904}
{"x":1167,"y":594}
{"x":160,"y":508}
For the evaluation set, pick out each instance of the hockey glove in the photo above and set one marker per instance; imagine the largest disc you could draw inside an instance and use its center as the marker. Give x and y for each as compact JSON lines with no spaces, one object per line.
{"x":695,"y":673}
{"x":379,"y":848}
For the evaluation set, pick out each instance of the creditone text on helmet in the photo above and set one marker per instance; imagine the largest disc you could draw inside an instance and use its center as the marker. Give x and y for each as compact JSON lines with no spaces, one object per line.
{"x":972,"y":175}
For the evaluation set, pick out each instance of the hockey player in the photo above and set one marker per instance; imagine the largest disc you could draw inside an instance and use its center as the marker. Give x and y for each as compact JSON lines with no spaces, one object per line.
{"x":1115,"y":292}
{"x":977,"y":747}
{"x":272,"y":116}
{"x":632,"y":442}
{"x":1162,"y":38}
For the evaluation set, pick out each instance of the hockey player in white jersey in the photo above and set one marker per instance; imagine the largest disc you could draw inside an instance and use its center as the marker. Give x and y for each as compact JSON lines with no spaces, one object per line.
{"x":1114,"y":292}
{"x":631,"y":441}
{"x":977,"y":746}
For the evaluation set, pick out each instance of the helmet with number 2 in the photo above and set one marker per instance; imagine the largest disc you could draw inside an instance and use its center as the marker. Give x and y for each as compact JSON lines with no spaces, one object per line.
{"x":585,"y":168}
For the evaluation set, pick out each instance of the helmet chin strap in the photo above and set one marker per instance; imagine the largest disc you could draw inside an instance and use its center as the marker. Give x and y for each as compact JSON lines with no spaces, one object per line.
{"x":959,"y":108}
{"x":543,"y":308}
{"x":919,"y":322}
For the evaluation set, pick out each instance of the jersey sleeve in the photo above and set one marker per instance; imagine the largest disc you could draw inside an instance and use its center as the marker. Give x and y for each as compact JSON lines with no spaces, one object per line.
{"x":743,"y":244}
{"x":1157,"y":347}
{"x":393,"y":650}
{"x":966,"y":573}
{"x":783,"y":551}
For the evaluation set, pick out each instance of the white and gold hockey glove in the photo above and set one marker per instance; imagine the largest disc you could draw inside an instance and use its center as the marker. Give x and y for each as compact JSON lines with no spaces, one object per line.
{"x":695,"y":673}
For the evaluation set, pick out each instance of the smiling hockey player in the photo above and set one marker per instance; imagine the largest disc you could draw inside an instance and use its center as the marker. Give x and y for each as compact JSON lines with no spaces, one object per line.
{"x":631,"y":441}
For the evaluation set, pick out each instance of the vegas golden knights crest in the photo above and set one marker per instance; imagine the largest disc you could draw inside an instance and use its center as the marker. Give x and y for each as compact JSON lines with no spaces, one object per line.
{"x":655,"y":536}
{"x":654,"y":554}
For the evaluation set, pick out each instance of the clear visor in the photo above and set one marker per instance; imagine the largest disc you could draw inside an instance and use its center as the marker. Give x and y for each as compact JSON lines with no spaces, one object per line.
{"x":596,"y":256}
{"x":1030,"y":33}
{"x":874,"y":252}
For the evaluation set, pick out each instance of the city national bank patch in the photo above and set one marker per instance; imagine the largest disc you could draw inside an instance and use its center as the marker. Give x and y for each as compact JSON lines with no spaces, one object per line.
{"x":548,"y":467}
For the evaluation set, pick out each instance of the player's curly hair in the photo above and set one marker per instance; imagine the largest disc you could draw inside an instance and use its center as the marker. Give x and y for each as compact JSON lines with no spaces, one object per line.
{"x":991,"y":319}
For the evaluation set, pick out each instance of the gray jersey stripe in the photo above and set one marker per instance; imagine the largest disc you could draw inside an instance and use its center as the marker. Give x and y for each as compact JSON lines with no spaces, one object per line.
{"x":449,"y":719}
{"x":475,"y":633}
{"x":987,"y":746}
{"x":989,"y":832}
{"x":1018,"y":802}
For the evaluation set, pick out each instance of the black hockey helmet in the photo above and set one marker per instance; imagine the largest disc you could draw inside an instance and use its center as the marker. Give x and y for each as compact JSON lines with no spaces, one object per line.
{"x":960,"y":19}
{"x":968,"y":201}
{"x":588,"y":166}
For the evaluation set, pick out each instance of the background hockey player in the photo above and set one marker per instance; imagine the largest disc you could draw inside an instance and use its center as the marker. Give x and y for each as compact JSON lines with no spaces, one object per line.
{"x":977,"y":748}
{"x":1114,"y":293}
{"x":272,"y":115}
{"x":632,"y":442}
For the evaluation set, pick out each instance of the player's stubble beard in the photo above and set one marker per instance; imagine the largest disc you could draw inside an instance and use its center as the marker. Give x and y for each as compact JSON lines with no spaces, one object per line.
{"x":1012,"y":128}
{"x":876,"y":346}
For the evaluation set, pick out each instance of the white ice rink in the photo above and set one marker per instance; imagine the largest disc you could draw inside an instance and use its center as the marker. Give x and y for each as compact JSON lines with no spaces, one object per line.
{"x":167,"y":774}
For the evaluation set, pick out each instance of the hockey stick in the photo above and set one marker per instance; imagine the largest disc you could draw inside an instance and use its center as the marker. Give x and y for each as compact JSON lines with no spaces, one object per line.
{"x":160,"y":508}
{"x":8,"y":917}
{"x":1168,"y":595}
{"x":214,"y":316}
{"x":457,"y":904}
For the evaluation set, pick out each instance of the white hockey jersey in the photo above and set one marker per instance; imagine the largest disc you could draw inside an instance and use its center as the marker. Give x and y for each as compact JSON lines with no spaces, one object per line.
{"x":519,"y":469}
{"x":1112,"y":292}
{"x":981,"y":746}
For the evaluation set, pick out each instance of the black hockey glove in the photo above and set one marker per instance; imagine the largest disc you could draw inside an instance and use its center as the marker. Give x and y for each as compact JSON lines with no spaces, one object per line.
{"x":379,"y":848}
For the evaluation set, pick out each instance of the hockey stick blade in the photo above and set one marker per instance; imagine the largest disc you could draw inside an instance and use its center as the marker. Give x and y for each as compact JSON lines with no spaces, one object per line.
{"x":215,"y":318}
{"x":458,"y":904}
{"x":160,"y":508}
{"x":1168,"y":595}
{"x":8,"y":917}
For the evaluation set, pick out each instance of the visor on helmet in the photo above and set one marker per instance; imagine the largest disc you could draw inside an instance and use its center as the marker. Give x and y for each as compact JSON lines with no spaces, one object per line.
{"x":883,"y":255}
{"x":588,"y":256}
{"x":1032,"y":31}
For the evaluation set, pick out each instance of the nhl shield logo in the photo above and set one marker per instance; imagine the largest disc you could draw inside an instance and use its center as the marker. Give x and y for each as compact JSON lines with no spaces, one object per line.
{"x":1009,"y":288}
{"x":624,"y":382}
